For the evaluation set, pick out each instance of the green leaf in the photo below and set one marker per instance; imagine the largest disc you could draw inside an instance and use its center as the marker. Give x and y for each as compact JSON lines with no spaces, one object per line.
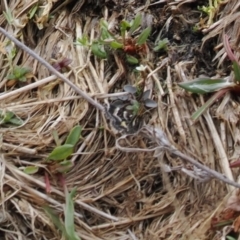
{"x":56,"y":138}
{"x":162,"y":45}
{"x":22,"y":79}
{"x":144,"y":36}
{"x":130,"y":89}
{"x":116,"y":45}
{"x":56,"y":220}
{"x":236,"y":69}
{"x":150,"y":103}
{"x":61,"y":152}
{"x":31,"y":169}
{"x":32,"y":11}
{"x":18,"y":73}
{"x":210,"y":101}
{"x":131,"y":59}
{"x":69,"y":215}
{"x":83,"y":41}
{"x":7,"y":116}
{"x":205,"y":85}
{"x":74,"y":136}
{"x":124,"y":25}
{"x":98,"y":50}
{"x":65,"y":166}
{"x":136,"y":23}
{"x":9,"y":17}
{"x":16,"y":121}
{"x":230,"y":238}
{"x":103,"y":24}
{"x":105,"y":33}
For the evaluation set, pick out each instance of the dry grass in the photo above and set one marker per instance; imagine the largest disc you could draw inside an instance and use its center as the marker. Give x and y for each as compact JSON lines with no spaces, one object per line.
{"x":120,"y":195}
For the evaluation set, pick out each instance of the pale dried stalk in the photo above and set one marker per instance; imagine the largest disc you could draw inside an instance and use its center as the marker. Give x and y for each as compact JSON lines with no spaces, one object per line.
{"x":28,"y":87}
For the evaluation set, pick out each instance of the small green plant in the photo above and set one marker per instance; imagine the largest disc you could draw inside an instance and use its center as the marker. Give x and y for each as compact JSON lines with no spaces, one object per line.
{"x":162,"y":45}
{"x":133,"y":47}
{"x":33,"y":11}
{"x":62,"y":152}
{"x":220,"y":86}
{"x":67,"y":228}
{"x":9,"y":17}
{"x":8,"y":117}
{"x":18,"y":73}
{"x":211,"y":10}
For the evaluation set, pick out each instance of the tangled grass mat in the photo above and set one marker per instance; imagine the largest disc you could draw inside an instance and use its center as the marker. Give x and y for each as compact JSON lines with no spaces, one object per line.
{"x":119,"y":194}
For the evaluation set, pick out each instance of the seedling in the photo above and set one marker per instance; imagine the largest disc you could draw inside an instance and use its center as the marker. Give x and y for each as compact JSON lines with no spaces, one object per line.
{"x":67,"y":228}
{"x":220,"y":86}
{"x":19,"y":74}
{"x":128,"y":110}
{"x":62,"y":65}
{"x":8,"y":117}
{"x":62,"y":152}
{"x":211,"y":10}
{"x":162,"y":45}
{"x":133,"y":47}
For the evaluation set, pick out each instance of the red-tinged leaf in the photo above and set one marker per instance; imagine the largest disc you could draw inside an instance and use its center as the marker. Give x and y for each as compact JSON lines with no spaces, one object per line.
{"x":236,"y":224}
{"x":228,"y":48}
{"x":235,"y":164}
{"x":62,"y":64}
{"x":61,"y":180}
{"x":206,"y":85}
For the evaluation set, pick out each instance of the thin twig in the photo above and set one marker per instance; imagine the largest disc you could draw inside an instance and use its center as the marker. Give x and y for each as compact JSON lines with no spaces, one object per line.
{"x":52,"y":69}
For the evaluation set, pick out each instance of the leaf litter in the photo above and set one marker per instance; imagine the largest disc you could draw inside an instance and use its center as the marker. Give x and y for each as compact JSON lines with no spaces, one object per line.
{"x":120,"y":193}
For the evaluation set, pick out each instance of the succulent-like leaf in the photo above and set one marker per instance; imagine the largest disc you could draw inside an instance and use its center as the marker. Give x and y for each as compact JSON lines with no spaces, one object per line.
{"x":206,"y":85}
{"x":130,"y":89}
{"x":118,"y":103}
{"x":150,"y":103}
{"x":146,"y":94}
